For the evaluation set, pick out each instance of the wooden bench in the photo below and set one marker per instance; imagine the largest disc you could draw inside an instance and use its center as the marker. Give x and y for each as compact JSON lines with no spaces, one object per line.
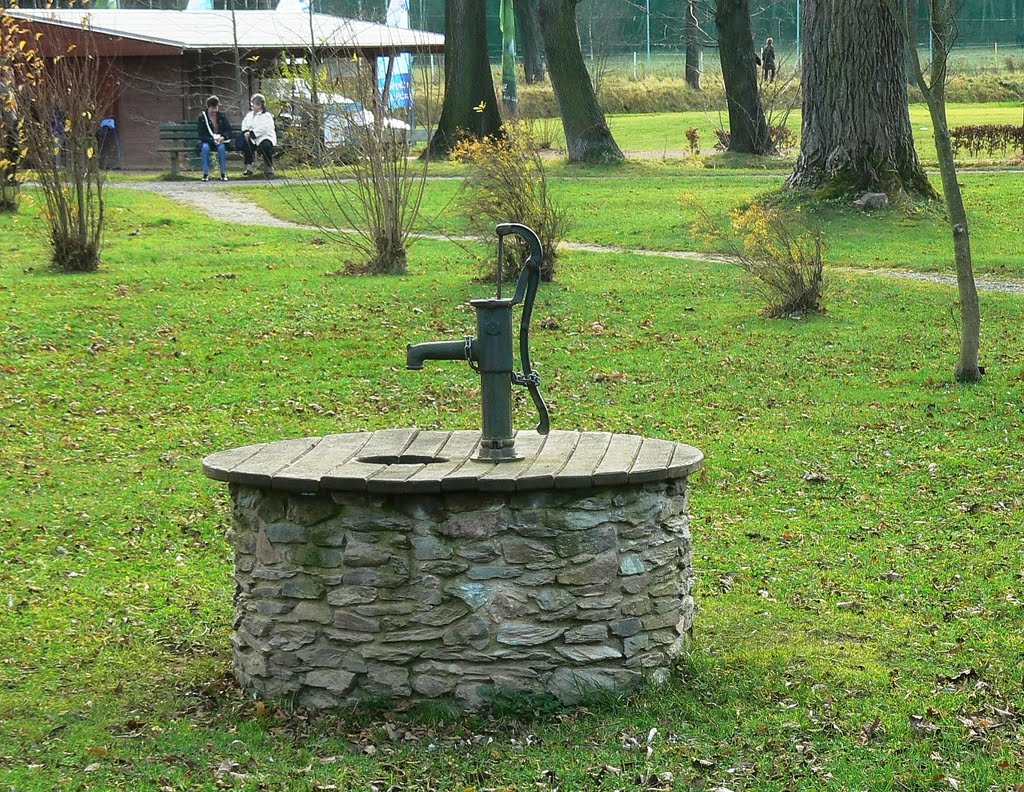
{"x":182,"y":137}
{"x":177,"y":139}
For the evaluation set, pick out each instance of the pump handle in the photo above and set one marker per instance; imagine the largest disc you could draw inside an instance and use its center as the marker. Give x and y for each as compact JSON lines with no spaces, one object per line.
{"x":526,"y":293}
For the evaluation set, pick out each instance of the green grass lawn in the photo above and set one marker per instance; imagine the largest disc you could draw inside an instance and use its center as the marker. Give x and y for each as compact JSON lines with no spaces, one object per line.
{"x":858,"y":628}
{"x":638,"y":206}
{"x":666,"y":132}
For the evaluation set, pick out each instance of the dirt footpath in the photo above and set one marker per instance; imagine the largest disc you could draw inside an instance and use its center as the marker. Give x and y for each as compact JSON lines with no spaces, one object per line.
{"x":215,"y":200}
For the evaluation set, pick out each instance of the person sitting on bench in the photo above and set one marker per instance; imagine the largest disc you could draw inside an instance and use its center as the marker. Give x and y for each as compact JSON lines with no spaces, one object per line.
{"x":258,"y":134}
{"x":214,"y":132}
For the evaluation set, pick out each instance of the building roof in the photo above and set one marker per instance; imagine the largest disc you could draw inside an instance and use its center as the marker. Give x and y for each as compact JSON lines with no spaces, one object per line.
{"x":256,"y":30}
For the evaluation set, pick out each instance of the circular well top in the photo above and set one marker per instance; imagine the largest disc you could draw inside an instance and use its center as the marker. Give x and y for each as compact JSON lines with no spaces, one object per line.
{"x":401,"y":461}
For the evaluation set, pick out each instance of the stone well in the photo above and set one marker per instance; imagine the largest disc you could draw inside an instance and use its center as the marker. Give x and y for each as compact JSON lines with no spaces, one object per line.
{"x":391,"y":565}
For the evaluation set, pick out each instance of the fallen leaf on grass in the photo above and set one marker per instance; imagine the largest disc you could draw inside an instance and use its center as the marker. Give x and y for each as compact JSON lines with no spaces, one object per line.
{"x":869,"y":730}
{"x":655,"y":781}
{"x":225,"y":767}
{"x":964,"y":675}
{"x":597,"y":773}
{"x":922,"y":726}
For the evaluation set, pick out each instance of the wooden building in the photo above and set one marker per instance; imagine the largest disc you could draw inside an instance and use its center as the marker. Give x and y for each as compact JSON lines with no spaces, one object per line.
{"x":166,"y":63}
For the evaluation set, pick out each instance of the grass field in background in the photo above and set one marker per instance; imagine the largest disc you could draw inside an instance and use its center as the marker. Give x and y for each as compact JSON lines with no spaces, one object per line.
{"x":666,"y":132}
{"x":632,"y":64}
{"x":639,"y":206}
{"x":856,"y":527}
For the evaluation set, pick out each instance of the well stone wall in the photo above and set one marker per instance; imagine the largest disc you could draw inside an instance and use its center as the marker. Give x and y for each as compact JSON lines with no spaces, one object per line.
{"x":350,"y":596}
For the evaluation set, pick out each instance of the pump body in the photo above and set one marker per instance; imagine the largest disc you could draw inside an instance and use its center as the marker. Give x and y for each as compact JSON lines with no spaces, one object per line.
{"x":490,"y":353}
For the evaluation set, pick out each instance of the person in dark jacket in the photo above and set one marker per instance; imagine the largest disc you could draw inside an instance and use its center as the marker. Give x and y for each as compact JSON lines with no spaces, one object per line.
{"x":214,"y":133}
{"x":768,"y":69}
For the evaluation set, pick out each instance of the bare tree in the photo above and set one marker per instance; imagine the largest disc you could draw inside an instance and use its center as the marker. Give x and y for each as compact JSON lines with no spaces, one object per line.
{"x":528,"y":29}
{"x":943,"y":22}
{"x":693,"y":50}
{"x":604,"y":22}
{"x":587,"y":135}
{"x":748,"y":129}
{"x":59,"y":103}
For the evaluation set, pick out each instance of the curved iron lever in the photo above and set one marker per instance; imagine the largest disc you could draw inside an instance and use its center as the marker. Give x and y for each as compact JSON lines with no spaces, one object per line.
{"x":526,"y":293}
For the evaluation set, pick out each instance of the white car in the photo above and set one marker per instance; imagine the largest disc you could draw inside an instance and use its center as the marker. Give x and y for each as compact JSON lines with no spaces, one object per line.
{"x":343,"y":117}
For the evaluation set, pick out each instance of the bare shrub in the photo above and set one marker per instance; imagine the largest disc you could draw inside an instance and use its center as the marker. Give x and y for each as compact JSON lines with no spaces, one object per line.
{"x":693,"y":139}
{"x":509,"y":185}
{"x":367,"y":190}
{"x":780,"y":97}
{"x":783,"y":256}
{"x":59,"y":104}
{"x":545,"y":131}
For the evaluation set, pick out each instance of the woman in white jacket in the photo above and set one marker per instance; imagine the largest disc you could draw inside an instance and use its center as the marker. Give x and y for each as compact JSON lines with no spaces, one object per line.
{"x":258,"y":134}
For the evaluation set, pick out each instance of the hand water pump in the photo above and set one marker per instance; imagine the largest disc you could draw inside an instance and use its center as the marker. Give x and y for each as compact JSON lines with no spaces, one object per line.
{"x":491,"y":353}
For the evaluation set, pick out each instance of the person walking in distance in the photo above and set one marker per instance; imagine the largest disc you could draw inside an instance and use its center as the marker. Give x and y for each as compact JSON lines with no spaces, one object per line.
{"x":768,"y":69}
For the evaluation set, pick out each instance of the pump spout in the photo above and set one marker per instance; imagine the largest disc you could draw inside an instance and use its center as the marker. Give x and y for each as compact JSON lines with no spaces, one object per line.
{"x":415,"y":354}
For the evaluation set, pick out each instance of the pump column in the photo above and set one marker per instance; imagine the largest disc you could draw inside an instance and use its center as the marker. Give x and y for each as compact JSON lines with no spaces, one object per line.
{"x":494,"y":356}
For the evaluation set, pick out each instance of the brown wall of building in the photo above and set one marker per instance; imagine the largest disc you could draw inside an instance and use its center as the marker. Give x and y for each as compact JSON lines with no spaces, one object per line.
{"x":151,"y":94}
{"x":156,"y":90}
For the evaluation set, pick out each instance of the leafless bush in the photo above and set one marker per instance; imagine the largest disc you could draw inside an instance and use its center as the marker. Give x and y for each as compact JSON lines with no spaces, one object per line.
{"x":367,"y":191}
{"x":509,"y":185}
{"x":59,"y":103}
{"x":783,"y":257}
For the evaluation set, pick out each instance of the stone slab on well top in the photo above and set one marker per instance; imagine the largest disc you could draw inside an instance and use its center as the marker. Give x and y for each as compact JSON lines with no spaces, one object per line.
{"x":414,"y":461}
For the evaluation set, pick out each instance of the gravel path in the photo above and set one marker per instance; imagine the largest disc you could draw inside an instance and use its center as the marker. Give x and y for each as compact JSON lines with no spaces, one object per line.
{"x":215,"y":200}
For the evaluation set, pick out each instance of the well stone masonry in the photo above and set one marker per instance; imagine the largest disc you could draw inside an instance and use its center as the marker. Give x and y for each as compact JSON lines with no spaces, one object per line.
{"x":349,"y":596}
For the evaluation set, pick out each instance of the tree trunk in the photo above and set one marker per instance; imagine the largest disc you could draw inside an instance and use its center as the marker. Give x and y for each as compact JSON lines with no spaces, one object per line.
{"x":748,"y":130}
{"x":693,"y":51}
{"x":470,"y":106}
{"x":9,"y":156}
{"x":587,"y":136}
{"x":967,"y":368}
{"x":857,"y":135}
{"x":942,"y":20}
{"x":528,"y":28}
{"x":815,"y":135}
